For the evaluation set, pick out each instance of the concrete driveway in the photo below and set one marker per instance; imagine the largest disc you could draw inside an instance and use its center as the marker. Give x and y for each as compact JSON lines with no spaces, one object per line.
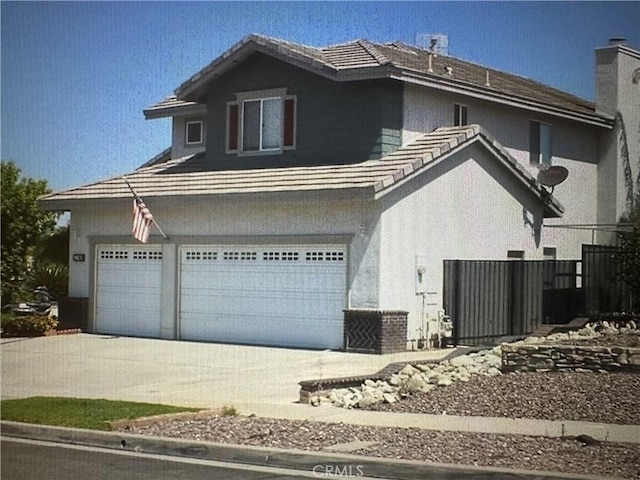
{"x":172,"y":372}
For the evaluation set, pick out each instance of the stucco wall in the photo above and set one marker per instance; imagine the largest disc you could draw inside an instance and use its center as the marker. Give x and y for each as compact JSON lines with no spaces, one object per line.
{"x":200,"y":221}
{"x":468,"y":207}
{"x":617,"y":93}
{"x":575,"y":147}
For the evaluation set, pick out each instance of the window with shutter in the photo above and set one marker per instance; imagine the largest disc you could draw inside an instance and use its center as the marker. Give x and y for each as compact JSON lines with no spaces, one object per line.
{"x":261,"y":123}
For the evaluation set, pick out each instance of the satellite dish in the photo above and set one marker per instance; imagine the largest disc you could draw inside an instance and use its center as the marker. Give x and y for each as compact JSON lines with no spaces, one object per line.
{"x":553,"y":176}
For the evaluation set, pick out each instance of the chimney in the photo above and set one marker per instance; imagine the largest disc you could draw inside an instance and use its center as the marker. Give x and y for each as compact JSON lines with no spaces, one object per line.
{"x":614,"y":64}
{"x":617,"y":41}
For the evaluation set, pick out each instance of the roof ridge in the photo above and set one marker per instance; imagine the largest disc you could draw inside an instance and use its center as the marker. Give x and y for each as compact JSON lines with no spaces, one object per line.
{"x":371,"y":49}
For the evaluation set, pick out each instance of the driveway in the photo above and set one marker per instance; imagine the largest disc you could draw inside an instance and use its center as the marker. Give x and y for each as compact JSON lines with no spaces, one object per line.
{"x":201,"y":375}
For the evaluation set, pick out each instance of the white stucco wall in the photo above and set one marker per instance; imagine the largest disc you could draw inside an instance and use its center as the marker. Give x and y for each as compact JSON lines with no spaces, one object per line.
{"x":616,"y":92}
{"x":235,"y":221}
{"x":469,"y":207}
{"x":575,"y":146}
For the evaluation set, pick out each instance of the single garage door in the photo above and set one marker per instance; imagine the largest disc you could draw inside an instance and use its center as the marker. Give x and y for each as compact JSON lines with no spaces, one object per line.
{"x":276,"y":295}
{"x":128,"y":290}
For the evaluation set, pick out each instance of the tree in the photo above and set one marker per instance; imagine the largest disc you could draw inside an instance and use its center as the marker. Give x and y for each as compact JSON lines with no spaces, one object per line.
{"x":630,"y":257}
{"x":23,"y":223}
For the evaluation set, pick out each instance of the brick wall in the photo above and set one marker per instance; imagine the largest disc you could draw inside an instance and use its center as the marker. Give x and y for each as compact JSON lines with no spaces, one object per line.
{"x":73,"y":312}
{"x":375,"y":331}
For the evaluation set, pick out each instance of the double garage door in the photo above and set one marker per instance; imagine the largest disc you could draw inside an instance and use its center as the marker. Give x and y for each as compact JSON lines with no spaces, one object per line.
{"x":267,"y":295}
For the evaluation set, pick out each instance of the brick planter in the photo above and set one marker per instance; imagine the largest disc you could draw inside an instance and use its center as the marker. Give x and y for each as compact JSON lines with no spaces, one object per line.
{"x":73,"y":313}
{"x":375,"y":331}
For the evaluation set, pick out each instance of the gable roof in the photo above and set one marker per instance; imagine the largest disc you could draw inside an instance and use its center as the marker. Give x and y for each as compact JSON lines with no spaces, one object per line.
{"x":190,"y":175}
{"x":362,"y":59}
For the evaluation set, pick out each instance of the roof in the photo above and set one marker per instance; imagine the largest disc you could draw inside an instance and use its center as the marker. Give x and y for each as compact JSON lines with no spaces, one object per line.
{"x":190,"y":175}
{"x":363,"y":59}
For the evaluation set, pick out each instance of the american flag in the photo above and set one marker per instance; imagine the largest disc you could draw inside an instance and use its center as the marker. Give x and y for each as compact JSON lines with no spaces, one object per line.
{"x":142,"y":220}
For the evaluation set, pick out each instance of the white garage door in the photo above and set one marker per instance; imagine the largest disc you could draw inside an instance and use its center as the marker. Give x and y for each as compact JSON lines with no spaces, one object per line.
{"x":285,"y":296}
{"x":128,"y":290}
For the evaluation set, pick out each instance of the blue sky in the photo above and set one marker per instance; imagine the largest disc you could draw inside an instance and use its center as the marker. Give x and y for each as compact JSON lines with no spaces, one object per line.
{"x":76,"y":75}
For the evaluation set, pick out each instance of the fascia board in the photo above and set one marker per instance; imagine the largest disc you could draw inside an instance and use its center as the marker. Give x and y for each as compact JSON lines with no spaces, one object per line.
{"x":359,"y":193}
{"x":228,"y":61}
{"x":383,"y":188}
{"x":153,"y":113}
{"x":598,"y":120}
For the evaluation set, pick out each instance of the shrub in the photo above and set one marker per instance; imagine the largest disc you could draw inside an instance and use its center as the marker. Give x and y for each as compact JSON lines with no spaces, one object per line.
{"x":26,"y":326}
{"x":54,"y":277}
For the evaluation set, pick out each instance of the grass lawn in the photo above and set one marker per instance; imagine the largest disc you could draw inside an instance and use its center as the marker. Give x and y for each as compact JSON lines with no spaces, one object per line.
{"x":79,"y":412}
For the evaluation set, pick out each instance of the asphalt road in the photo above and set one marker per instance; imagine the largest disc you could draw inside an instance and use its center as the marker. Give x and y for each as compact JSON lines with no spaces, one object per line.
{"x":36,"y":460}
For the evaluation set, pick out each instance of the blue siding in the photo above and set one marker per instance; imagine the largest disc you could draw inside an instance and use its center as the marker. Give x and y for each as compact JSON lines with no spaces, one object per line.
{"x":337,"y":123}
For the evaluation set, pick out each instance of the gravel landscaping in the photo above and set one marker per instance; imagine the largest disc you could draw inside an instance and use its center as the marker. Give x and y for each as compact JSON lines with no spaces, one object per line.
{"x":590,"y":397}
{"x":505,"y":451}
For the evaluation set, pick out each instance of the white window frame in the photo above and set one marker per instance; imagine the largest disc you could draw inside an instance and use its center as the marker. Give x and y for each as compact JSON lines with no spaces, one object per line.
{"x":459,"y":108}
{"x":186,"y":132}
{"x":261,"y":95}
{"x":544,"y":155}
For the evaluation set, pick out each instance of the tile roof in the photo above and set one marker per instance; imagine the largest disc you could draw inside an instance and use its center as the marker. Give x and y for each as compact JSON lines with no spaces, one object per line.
{"x":366,"y":59}
{"x":191,"y":176}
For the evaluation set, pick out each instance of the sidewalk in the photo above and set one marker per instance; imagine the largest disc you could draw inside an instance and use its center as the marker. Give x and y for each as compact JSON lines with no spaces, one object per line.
{"x":503,"y":426}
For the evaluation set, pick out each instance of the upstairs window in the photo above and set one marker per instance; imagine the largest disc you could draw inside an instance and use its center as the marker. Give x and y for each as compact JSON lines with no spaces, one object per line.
{"x":515,"y":254}
{"x":193,"y":133}
{"x":541,"y":143}
{"x":460,"y":115}
{"x":261,"y":122}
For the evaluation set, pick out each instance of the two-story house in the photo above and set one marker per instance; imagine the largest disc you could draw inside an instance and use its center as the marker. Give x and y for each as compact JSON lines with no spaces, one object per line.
{"x":304,"y":181}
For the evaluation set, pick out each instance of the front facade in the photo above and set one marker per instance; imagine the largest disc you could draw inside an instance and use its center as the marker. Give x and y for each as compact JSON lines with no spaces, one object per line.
{"x":302,"y":182}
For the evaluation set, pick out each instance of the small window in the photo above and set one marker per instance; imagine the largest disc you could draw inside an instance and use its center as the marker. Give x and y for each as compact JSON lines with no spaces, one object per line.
{"x":541,"y":143}
{"x":460,"y":115}
{"x":515,"y":255}
{"x":261,"y":122}
{"x":193,"y":132}
{"x":549,"y":253}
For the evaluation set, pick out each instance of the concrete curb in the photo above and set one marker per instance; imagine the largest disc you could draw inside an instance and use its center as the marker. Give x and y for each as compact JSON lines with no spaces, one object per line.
{"x":320,"y":463}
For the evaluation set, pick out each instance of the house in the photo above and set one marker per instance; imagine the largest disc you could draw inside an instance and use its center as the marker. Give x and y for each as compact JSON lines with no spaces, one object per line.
{"x":302,"y":182}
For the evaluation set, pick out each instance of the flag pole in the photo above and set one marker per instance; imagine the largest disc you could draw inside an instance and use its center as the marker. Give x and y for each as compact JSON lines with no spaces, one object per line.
{"x":135,"y":195}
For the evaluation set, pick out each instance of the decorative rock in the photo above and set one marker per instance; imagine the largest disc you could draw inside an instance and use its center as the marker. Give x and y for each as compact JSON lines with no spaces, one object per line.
{"x":394,"y":380}
{"x":408,"y":370}
{"x":493,"y":371}
{"x":423,"y":367}
{"x":389,"y":398}
{"x":415,"y":384}
{"x":634,"y":359}
{"x":444,"y":382}
{"x":462,"y":361}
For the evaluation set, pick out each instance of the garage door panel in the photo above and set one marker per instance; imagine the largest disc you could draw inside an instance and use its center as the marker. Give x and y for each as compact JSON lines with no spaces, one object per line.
{"x":290,"y":296}
{"x":128,"y":290}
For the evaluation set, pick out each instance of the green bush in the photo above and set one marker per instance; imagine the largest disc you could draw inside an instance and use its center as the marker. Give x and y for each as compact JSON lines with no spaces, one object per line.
{"x":26,"y":326}
{"x":54,"y":277}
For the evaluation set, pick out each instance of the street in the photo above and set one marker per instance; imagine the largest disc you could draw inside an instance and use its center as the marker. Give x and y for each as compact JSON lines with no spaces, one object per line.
{"x":36,"y":460}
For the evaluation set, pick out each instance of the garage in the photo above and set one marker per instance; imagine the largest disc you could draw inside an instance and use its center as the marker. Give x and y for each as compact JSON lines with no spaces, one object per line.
{"x":128,"y":290}
{"x":290,"y":296}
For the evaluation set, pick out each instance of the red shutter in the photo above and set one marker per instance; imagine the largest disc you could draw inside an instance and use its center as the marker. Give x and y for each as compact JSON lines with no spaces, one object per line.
{"x":289,"y":122}
{"x":233,"y":118}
